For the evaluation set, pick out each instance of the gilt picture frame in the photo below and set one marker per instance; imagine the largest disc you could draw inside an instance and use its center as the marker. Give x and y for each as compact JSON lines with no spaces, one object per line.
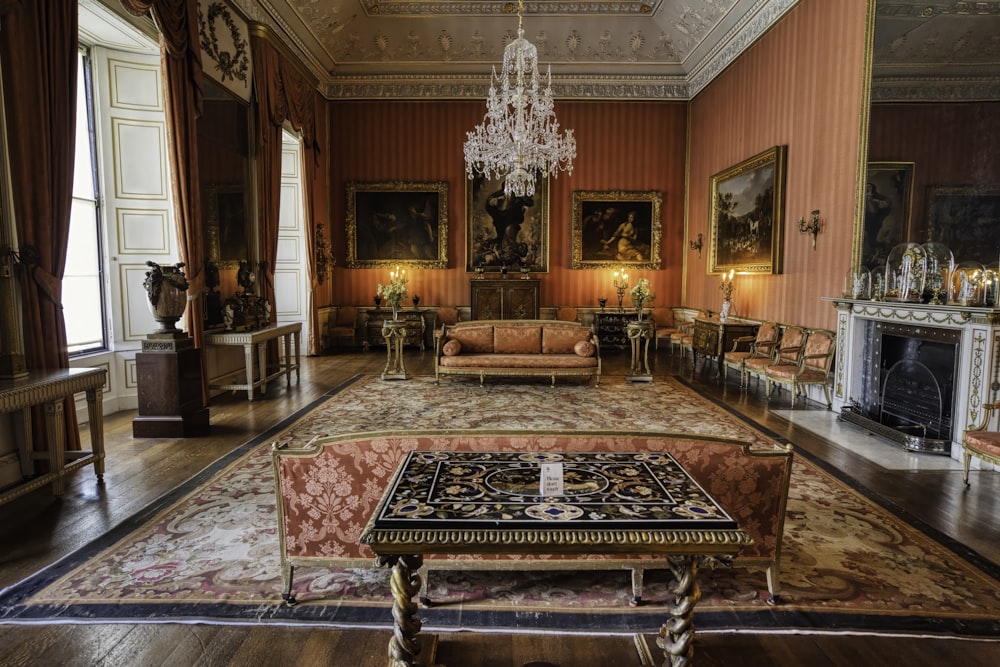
{"x":616,"y":229}
{"x":967,"y":220}
{"x":888,"y":199}
{"x":227,"y":225}
{"x":506,"y":231}
{"x":395,"y":222}
{"x":746,"y":214}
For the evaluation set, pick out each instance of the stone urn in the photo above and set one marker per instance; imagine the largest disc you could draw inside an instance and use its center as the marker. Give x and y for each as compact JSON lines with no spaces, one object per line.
{"x":166,"y":289}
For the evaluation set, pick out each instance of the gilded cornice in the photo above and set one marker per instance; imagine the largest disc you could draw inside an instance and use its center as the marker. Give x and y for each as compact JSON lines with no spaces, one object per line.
{"x":452,"y":87}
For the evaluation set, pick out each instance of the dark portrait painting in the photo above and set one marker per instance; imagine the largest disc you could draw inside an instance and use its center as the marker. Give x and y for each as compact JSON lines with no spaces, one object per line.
{"x":616,"y":229}
{"x":392,"y":223}
{"x":506,"y":230}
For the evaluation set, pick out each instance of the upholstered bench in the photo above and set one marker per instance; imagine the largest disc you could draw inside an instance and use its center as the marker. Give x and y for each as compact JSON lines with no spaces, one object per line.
{"x":327,"y":491}
{"x":548,"y":348}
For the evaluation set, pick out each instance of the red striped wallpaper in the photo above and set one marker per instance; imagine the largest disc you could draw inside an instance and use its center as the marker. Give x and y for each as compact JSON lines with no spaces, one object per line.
{"x":799,"y":86}
{"x":620,"y":146}
{"x":784,"y":90}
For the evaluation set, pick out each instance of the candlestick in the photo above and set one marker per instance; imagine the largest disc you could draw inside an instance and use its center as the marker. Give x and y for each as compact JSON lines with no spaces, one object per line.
{"x":621,"y":285}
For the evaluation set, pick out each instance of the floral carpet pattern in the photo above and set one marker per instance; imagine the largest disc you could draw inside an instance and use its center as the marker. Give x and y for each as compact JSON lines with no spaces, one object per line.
{"x":210,"y":550}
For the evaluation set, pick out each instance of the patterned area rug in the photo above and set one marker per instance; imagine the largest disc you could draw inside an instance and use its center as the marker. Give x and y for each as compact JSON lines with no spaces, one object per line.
{"x":209,"y":551}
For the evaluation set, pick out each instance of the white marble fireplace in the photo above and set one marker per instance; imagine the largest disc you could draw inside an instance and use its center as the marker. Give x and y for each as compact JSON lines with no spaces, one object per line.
{"x":965,"y":344}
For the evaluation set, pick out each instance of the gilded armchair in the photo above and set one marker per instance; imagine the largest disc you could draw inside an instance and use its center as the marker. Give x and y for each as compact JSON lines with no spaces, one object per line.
{"x":786,"y":351}
{"x":760,"y":346}
{"x":979,"y":442}
{"x":345,"y":325}
{"x":445,"y":315}
{"x":812,"y":367}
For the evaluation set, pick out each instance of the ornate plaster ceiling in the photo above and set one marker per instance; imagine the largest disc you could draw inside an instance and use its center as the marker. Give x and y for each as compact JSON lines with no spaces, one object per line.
{"x":941,"y":50}
{"x":607,"y":49}
{"x":611,"y":49}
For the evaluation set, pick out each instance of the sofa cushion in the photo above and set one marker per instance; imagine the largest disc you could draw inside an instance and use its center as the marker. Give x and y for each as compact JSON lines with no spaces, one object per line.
{"x":560,"y":338}
{"x":584,"y":348}
{"x":517,"y":339}
{"x":474,"y":338}
{"x":452,"y":347}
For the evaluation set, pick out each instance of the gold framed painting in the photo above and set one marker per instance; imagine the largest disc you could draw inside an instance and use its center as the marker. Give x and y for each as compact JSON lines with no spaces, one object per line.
{"x":616,"y":229}
{"x":746,"y":214}
{"x":505,"y":230}
{"x":888,"y":194}
{"x":396,"y":222}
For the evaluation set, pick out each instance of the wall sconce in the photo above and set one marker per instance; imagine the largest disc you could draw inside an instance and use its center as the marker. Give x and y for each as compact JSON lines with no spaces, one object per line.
{"x":810,"y":227}
{"x":696,"y":245}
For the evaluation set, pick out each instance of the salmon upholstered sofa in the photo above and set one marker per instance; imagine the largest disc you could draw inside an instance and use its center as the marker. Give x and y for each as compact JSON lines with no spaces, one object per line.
{"x":327,"y":491}
{"x":547,"y":348}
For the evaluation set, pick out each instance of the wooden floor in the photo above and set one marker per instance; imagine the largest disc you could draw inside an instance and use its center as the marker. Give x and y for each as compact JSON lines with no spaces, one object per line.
{"x":37,"y":529}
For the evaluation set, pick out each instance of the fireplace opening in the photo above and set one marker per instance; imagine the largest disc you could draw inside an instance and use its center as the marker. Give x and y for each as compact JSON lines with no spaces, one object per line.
{"x":907,"y":385}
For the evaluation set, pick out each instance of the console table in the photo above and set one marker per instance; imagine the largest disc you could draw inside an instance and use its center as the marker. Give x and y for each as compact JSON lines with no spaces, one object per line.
{"x":50,"y":389}
{"x":255,"y":355}
{"x":460,"y":502}
{"x":376,"y":319}
{"x":713,"y":337}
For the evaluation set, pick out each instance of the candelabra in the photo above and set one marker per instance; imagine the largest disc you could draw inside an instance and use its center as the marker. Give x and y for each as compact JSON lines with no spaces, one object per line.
{"x":621,"y":286}
{"x":727,"y":294}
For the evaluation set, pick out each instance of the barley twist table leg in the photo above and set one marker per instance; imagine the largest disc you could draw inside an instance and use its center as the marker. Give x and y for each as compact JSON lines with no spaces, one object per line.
{"x":405,"y":583}
{"x":677,"y":634}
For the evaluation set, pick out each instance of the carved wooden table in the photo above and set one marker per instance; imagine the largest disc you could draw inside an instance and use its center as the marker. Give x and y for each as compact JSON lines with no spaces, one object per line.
{"x":255,"y":353}
{"x":448,"y":502}
{"x":50,"y":389}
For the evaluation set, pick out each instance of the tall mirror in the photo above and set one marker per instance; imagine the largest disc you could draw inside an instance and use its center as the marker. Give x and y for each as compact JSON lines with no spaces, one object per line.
{"x":224,"y":162}
{"x":934,"y":135}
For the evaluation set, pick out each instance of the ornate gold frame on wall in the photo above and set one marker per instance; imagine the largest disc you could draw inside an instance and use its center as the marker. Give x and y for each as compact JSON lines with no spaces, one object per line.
{"x":730,"y":235}
{"x":397,"y":223}
{"x":530,"y":235}
{"x":227,"y":225}
{"x":598,"y":221}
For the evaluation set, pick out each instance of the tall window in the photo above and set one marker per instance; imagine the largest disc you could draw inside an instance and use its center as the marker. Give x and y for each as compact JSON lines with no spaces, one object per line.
{"x":83,"y":292}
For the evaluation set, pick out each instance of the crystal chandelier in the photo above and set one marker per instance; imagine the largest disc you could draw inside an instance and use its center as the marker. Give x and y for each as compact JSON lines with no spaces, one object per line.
{"x":519,"y":137}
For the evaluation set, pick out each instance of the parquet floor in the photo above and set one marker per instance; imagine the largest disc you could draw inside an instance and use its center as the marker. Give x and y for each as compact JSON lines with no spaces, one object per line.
{"x":38,"y":529}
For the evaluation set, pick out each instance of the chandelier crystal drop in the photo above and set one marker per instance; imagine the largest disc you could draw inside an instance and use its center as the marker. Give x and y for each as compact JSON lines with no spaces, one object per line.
{"x":519,"y":138}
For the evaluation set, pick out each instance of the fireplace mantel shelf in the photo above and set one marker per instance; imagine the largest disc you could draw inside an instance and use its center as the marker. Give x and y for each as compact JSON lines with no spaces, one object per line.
{"x":918,"y":313}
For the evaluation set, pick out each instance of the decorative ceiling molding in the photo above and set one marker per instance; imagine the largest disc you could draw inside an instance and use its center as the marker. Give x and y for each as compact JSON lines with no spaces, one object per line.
{"x":918,"y":89}
{"x":452,"y":87}
{"x":728,"y":48}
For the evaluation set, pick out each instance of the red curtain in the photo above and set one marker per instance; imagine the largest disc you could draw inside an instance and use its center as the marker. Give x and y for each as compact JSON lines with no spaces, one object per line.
{"x":284,"y":94}
{"x":38,"y":52}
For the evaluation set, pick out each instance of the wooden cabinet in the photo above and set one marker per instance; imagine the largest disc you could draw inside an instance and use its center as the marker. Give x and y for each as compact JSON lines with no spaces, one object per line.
{"x":610,"y":328}
{"x":713,"y":337}
{"x":372,"y":336}
{"x":505,"y":298}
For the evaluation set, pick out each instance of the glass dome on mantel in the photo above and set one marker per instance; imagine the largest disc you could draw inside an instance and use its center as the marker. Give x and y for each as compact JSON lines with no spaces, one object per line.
{"x":968,"y":284}
{"x":858,"y":284}
{"x":905,"y":273}
{"x":937,"y":279}
{"x":991,"y":287}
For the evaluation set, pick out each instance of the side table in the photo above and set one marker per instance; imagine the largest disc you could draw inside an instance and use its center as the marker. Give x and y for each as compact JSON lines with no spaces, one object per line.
{"x":394,"y":332}
{"x":639,"y":333}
